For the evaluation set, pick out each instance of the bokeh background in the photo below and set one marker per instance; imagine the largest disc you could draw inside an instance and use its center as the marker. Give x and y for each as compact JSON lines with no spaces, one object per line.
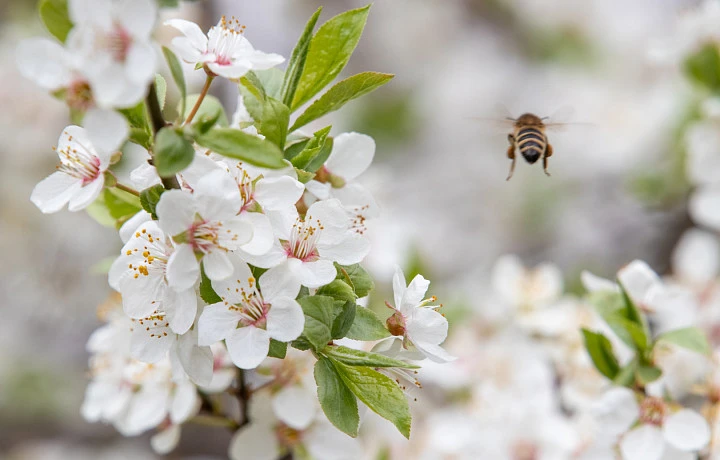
{"x":618,"y":190}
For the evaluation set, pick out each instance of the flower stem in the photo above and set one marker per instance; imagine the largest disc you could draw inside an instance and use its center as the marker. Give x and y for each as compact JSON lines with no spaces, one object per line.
{"x":158,"y":122}
{"x":125,"y":188}
{"x":213,"y":420}
{"x":208,"y":80}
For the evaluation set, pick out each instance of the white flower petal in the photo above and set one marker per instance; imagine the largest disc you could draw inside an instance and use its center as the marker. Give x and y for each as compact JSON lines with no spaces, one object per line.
{"x":285,"y":320}
{"x":696,"y":257}
{"x":617,"y":410}
{"x":351,"y":155}
{"x":140,"y":67}
{"x":274,"y":257}
{"x":313,"y":274}
{"x":264,"y":61}
{"x":426,"y":326}
{"x":195,"y":36}
{"x":176,"y":211}
{"x":507,"y":276}
{"x":274,"y":193}
{"x":148,"y":408}
{"x":216,"y":323}
{"x":142,"y":295}
{"x":150,"y":344}
{"x":237,"y":69}
{"x":182,"y":268}
{"x":274,"y":284}
{"x":638,"y":278}
{"x":256,"y":442}
{"x":107,"y":130}
{"x":185,"y":403}
{"x":45,"y":62}
{"x":217,"y":265}
{"x":86,"y":194}
{"x":704,"y":205}
{"x":248,"y":346}
{"x":350,"y":250}
{"x":138,"y":17}
{"x":165,"y":441}
{"x":295,"y":406}
{"x":262,"y":233}
{"x":181,"y":309}
{"x":643,"y":443}
{"x":131,"y":225}
{"x":414,"y":294}
{"x":399,"y":286}
{"x":91,"y":12}
{"x":54,"y":192}
{"x":594,"y":283}
{"x":325,"y":442}
{"x":686,"y":430}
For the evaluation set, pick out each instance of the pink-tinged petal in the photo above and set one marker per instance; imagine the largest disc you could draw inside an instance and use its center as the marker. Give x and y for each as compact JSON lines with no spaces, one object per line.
{"x":181,"y":308}
{"x":704,"y":205}
{"x":687,"y":430}
{"x":295,"y":406}
{"x":237,"y":69}
{"x":196,"y":361}
{"x":87,"y":194}
{"x":131,"y":225}
{"x":274,"y":284}
{"x":216,"y":323}
{"x":399,"y":286}
{"x":176,"y":211}
{"x":351,"y":155}
{"x":217,"y":265}
{"x":313,"y":274}
{"x":275,"y":193}
{"x":285,"y":320}
{"x":643,"y":443}
{"x":148,"y":408}
{"x":45,"y":62}
{"x":263,"y":238}
{"x":350,"y":250}
{"x":185,"y":403}
{"x":248,"y":346}
{"x":54,"y":192}
{"x":164,"y":441}
{"x":196,"y":38}
{"x":414,"y":294}
{"x":183,"y":268}
{"x":137,"y":17}
{"x":150,"y":343}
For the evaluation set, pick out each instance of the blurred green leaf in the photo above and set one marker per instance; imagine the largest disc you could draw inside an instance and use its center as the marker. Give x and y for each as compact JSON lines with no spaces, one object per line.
{"x":177,"y":74}
{"x":690,"y":338}
{"x":277,"y":349}
{"x":703,"y":67}
{"x":209,"y":109}
{"x":648,"y":374}
{"x":601,"y":353}
{"x":172,"y":152}
{"x":367,"y":326}
{"x":56,"y":18}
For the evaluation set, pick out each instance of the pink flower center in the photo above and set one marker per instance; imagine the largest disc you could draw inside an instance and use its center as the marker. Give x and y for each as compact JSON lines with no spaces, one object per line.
{"x":653,"y":411}
{"x":79,"y":160}
{"x":203,"y":236}
{"x":229,"y":33}
{"x":304,"y":239}
{"x":79,"y":96}
{"x":118,"y":43}
{"x":252,"y":308}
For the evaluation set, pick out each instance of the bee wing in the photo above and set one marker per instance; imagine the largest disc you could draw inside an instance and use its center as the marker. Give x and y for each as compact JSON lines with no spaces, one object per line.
{"x":500,"y":120}
{"x":560,"y":120}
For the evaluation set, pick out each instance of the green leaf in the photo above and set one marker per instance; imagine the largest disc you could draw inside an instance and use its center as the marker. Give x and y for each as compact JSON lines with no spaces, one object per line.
{"x":205,"y":123}
{"x":690,"y":338}
{"x":703,"y":67}
{"x":628,"y":331}
{"x":329,"y":52}
{"x":172,"y":152}
{"x":277,"y":349}
{"x":339,"y":290}
{"x":140,"y":137}
{"x":359,"y":278}
{"x":647,"y":374}
{"x":321,"y":157}
{"x":340,"y":94}
{"x":161,"y":89}
{"x":632,"y":313}
{"x":601,"y":352}
{"x":54,"y":15}
{"x":381,"y":394}
{"x":270,"y":115}
{"x":304,"y":176}
{"x":311,"y":150}
{"x":100,"y":213}
{"x":353,"y":357}
{"x":367,"y":326}
{"x":178,"y":76}
{"x":209,"y":108}
{"x":626,"y":376}
{"x":297,"y":60}
{"x":319,"y":316}
{"x":150,"y":197}
{"x":207,"y":293}
{"x":121,"y":204}
{"x":301,"y":343}
{"x":234,"y":143}
{"x":136,"y":116}
{"x":270,"y":80}
{"x":336,"y":399}
{"x":344,"y":317}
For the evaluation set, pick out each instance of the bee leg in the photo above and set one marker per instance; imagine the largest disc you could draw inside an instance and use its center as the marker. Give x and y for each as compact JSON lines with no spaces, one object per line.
{"x":511,"y":155}
{"x":548,"y":154}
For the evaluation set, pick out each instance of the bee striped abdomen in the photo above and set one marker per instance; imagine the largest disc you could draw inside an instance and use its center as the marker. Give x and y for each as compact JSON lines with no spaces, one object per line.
{"x":531,"y":143}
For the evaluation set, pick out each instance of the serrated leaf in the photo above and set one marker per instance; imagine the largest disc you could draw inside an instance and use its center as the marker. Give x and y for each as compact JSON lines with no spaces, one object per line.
{"x":353,"y":357}
{"x":361,"y":280}
{"x":690,"y":338}
{"x":277,"y":349}
{"x":177,"y":74}
{"x":297,"y":60}
{"x":367,"y":326}
{"x":322,"y":156}
{"x":311,"y":149}
{"x":337,"y":401}
{"x":56,"y":18}
{"x":381,"y":394}
{"x":600,"y":350}
{"x":207,"y":293}
{"x":340,"y":94}
{"x":647,"y":374}
{"x":329,"y":51}
{"x":234,"y":143}
{"x":319,"y":316}
{"x":150,"y":197}
{"x":339,"y":290}
{"x":172,"y":152}
{"x":275,"y":121}
{"x":344,"y":317}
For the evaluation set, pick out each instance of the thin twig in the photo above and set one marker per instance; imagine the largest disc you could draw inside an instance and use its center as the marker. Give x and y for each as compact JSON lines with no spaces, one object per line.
{"x":127,"y":189}
{"x":243,"y":396}
{"x":158,"y":122}
{"x":213,"y":420}
{"x":203,"y":93}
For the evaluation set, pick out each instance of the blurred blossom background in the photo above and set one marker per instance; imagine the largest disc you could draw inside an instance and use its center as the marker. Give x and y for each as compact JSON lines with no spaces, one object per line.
{"x":636,"y":180}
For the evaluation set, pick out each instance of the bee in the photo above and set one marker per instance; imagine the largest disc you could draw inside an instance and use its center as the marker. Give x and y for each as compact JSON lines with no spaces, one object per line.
{"x":529,"y":138}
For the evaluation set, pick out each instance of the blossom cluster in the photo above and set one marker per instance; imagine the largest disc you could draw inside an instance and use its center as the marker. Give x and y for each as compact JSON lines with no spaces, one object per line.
{"x":241,"y":241}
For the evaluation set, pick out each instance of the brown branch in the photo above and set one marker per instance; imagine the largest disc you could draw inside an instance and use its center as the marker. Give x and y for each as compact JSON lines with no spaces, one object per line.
{"x":157,"y":122}
{"x":243,"y":396}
